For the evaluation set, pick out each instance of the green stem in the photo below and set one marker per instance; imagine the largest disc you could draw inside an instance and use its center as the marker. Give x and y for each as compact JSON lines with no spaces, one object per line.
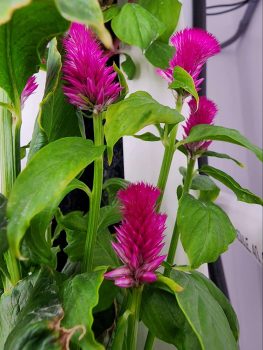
{"x":168,"y":155}
{"x":162,"y":181}
{"x":134,"y":307}
{"x":176,"y":233}
{"x":10,"y":125}
{"x":95,"y":198}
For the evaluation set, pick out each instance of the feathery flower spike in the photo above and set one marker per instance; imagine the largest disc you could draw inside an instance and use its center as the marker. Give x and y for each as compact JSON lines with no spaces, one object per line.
{"x":90,"y":84}
{"x":29,"y":88}
{"x":139,"y":237}
{"x":193,"y":48}
{"x":205,"y":114}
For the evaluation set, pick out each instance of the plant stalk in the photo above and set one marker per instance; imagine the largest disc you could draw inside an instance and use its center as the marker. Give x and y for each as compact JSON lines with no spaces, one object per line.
{"x":134,"y":307}
{"x":95,"y":198}
{"x":168,"y":156}
{"x":10,"y":125}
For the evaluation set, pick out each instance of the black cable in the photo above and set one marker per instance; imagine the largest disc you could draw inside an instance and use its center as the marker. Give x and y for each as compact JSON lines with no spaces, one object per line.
{"x":229,"y":10}
{"x":227,"y":5}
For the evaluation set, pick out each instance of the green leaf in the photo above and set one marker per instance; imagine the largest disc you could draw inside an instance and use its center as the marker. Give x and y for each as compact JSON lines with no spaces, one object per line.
{"x":171,"y":284}
{"x":57,"y":118}
{"x":75,"y":225}
{"x":12,"y":303}
{"x":129,"y":66}
{"x":145,"y":111}
{"x":164,"y":318}
{"x":37,"y":315}
{"x":243,"y":194}
{"x":205,"y":229}
{"x":148,"y":136}
{"x":9,"y":6}
{"x":122,"y":81}
{"x":204,"y":314}
{"x":112,"y":186}
{"x":222,"y":156}
{"x":111,"y":12}
{"x":167,"y":11}
{"x":80,"y":296}
{"x":87,"y":12}
{"x":222,"y":301}
{"x":136,"y":26}
{"x":107,"y":294}
{"x":57,"y":164}
{"x":159,"y":54}
{"x":211,"y":132}
{"x":184,"y":81}
{"x":22,"y":43}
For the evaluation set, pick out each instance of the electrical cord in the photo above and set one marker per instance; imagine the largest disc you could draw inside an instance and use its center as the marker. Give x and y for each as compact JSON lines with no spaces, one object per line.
{"x":238,"y":6}
{"x":227,"y":5}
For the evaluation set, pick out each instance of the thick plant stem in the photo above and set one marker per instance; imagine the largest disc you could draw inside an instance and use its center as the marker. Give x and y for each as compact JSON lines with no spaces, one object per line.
{"x":134,"y":307}
{"x":168,"y":156}
{"x":95,"y":198}
{"x":10,"y":124}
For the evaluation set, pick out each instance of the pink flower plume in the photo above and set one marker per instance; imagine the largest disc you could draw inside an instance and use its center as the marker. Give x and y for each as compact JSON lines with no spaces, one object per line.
{"x":139,"y":237}
{"x":193,"y":48}
{"x":205,"y":114}
{"x":90,"y":84}
{"x":29,"y":88}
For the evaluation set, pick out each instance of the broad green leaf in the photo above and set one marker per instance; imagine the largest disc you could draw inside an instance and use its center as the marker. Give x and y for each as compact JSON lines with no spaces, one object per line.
{"x":37,"y":323}
{"x":222,"y":156}
{"x":184,"y":81}
{"x":75,"y":225}
{"x":167,"y":11}
{"x":211,"y":132}
{"x":162,"y":315}
{"x":204,"y":313}
{"x":57,"y":164}
{"x":159,"y":54}
{"x":12,"y":303}
{"x":148,"y":136}
{"x":205,"y":229}
{"x":222,"y":301}
{"x":128,"y":117}
{"x":7,"y":7}
{"x":171,"y":284}
{"x":129,"y":67}
{"x":136,"y":26}
{"x":120,"y":332}
{"x":22,"y":43}
{"x":57,"y":118}
{"x":242,"y":194}
{"x":80,"y":296}
{"x":111,"y":12}
{"x":87,"y":12}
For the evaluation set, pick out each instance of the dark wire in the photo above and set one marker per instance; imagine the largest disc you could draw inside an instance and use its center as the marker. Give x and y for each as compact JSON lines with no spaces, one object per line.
{"x":226,"y":11}
{"x":227,"y":5}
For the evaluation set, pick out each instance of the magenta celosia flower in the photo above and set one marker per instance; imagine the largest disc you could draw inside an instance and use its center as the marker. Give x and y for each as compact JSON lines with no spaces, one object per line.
{"x":90,"y":84}
{"x":30,"y":87}
{"x":193,"y":48}
{"x":205,"y":114}
{"x":139,"y":237}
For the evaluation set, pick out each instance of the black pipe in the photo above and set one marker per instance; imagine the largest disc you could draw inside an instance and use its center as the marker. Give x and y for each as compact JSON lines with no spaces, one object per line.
{"x":244,"y":23}
{"x":216,"y":271}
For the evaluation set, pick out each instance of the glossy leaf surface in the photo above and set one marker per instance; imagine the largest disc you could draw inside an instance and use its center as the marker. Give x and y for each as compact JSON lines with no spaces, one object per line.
{"x":120,"y":121}
{"x":219,"y":133}
{"x":22,"y":43}
{"x":57,"y":164}
{"x":205,"y":229}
